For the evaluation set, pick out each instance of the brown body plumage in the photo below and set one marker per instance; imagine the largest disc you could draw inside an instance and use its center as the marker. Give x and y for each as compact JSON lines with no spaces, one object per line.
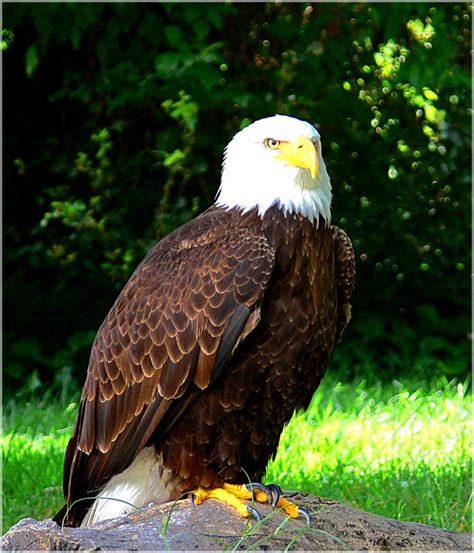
{"x":209,"y":349}
{"x":224,"y":329}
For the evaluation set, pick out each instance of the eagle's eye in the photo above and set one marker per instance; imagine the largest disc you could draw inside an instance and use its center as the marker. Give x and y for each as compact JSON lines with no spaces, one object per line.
{"x":271,"y":143}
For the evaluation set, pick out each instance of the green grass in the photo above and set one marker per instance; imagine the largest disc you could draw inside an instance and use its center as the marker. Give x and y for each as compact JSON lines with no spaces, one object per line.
{"x":35,"y":435}
{"x":400,"y":450}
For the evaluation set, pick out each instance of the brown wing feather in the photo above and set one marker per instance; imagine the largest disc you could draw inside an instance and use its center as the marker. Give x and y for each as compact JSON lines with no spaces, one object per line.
{"x":168,"y":336}
{"x":345,"y":273}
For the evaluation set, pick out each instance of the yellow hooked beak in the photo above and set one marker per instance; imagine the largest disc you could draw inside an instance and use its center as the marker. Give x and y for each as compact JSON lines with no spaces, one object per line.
{"x":301,"y":153}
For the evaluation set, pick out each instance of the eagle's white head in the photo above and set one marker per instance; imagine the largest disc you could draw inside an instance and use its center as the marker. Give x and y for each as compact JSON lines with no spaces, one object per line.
{"x":276,"y":160}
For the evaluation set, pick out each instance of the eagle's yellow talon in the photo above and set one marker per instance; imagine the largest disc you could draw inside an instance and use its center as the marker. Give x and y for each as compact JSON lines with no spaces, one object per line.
{"x":240,"y":491}
{"x":260,"y":496}
{"x":290,"y":508}
{"x":228,"y":494}
{"x":238,"y":496}
{"x":198,"y":496}
{"x":235,"y":495}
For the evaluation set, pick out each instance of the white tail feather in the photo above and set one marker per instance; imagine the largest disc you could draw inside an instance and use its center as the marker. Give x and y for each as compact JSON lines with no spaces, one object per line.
{"x":142,"y":482}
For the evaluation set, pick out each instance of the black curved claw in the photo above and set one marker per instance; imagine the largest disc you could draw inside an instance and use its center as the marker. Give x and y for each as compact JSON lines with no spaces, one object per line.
{"x":307,"y":515}
{"x":277,"y":492}
{"x":192,"y":499}
{"x":258,"y":486}
{"x":253,"y":512}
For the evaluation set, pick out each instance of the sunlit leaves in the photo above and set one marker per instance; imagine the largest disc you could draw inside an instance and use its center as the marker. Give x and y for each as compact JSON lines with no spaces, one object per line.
{"x":421,"y":32}
{"x":184,"y":109}
{"x":388,"y":58}
{"x":173,"y":158}
{"x":7,"y":38}
{"x":392,"y":172}
{"x":429,"y":94}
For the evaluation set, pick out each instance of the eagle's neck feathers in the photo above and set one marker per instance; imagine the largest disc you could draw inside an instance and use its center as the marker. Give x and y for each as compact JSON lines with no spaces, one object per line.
{"x":310,"y":203}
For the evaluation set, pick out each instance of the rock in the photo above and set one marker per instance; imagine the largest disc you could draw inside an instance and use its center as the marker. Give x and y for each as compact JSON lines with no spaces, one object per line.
{"x":215,"y":526}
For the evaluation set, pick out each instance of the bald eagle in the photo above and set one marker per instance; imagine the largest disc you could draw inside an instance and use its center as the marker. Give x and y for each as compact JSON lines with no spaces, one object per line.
{"x":224,"y":329}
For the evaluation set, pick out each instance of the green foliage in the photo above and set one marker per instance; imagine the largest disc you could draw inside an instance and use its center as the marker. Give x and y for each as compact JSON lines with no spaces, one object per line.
{"x":365,"y":445}
{"x":117,"y":115}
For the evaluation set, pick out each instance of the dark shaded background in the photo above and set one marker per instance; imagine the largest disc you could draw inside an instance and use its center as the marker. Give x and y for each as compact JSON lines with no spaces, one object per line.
{"x":115,"y":119}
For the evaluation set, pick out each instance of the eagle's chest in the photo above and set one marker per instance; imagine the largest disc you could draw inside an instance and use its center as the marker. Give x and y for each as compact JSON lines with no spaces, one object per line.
{"x":280,"y":365}
{"x":300,"y":306}
{"x":284,"y":358}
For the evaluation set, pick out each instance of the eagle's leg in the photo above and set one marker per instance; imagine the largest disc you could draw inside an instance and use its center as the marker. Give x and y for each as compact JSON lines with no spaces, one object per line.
{"x":290,"y":508}
{"x":238,"y":495}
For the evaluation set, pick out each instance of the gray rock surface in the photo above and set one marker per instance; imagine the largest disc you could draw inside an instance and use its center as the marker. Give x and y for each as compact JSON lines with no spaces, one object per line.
{"x":215,"y":526}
